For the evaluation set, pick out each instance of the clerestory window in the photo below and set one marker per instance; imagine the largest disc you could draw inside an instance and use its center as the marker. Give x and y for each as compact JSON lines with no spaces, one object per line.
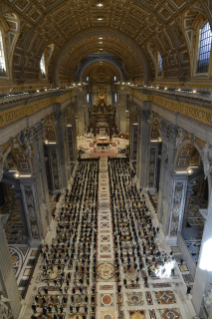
{"x":204,"y":49}
{"x":2,"y":58}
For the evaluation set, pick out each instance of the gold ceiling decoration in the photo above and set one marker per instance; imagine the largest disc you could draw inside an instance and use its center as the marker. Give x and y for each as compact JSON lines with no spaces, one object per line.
{"x":138,"y":25}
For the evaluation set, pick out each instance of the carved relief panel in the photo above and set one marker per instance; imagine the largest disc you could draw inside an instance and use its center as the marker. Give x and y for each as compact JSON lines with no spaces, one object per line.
{"x":31,"y":211}
{"x":178,"y":199}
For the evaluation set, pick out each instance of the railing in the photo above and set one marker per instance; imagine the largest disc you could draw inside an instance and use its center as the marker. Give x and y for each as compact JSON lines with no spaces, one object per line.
{"x":186,"y":255}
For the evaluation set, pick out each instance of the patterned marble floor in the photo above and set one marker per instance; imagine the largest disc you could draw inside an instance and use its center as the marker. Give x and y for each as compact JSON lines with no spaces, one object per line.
{"x":163,"y":298}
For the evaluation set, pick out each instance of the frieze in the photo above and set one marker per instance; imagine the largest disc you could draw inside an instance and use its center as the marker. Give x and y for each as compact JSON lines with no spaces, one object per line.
{"x":17,"y":113}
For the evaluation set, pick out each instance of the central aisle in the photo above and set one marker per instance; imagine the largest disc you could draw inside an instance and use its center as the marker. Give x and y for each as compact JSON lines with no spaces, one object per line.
{"x":107,"y":303}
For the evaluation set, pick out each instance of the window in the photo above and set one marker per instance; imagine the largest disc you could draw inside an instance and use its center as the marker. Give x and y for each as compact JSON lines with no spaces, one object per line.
{"x":42,"y":67}
{"x":159,"y":64}
{"x":2,"y":59}
{"x":115,"y":78}
{"x":204,"y":49}
{"x":88,"y":98}
{"x":87,"y":79}
{"x":115,"y":98}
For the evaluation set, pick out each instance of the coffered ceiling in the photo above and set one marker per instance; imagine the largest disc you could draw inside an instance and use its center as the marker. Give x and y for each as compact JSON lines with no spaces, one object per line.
{"x":134,"y":30}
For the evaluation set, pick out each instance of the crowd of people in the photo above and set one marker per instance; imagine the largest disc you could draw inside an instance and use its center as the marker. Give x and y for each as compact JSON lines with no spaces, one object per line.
{"x":135,"y":237}
{"x":69,"y":262}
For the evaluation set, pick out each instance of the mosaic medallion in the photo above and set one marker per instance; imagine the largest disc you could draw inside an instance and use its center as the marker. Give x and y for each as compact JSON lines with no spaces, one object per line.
{"x":107,"y":315}
{"x":170,"y":313}
{"x":105,"y":238}
{"x":131,"y":272}
{"x":106,"y":300}
{"x":105,"y":271}
{"x":105,"y":248}
{"x":137,"y":314}
{"x":165,"y":297}
{"x":134,"y":299}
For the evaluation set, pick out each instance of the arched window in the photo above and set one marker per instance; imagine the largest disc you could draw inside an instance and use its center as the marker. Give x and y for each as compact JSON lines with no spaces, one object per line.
{"x":204,"y":49}
{"x":88,"y":98}
{"x":42,"y":67}
{"x":159,"y":64}
{"x":115,"y":78}
{"x":2,"y":58}
{"x":87,"y":78}
{"x":115,"y":98}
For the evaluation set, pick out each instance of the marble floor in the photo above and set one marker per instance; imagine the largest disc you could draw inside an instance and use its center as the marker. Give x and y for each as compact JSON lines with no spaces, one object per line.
{"x":116,"y":289}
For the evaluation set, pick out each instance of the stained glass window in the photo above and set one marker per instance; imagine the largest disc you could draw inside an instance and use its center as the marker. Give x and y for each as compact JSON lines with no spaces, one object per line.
{"x":42,"y":67}
{"x":159,"y":64}
{"x":2,"y":60}
{"x":205,"y":49}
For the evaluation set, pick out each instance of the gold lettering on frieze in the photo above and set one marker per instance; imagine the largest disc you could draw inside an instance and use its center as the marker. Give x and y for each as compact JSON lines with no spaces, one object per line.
{"x":194,"y":112}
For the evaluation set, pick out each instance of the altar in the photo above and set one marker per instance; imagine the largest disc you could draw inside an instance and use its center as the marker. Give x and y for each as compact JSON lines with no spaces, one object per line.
{"x":102,"y":119}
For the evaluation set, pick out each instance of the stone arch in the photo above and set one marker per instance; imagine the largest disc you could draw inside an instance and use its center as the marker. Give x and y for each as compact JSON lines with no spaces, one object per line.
{"x":10,"y":27}
{"x":90,"y":33}
{"x":50,"y":133}
{"x":15,"y":155}
{"x":184,"y":153}
{"x":86,"y":65}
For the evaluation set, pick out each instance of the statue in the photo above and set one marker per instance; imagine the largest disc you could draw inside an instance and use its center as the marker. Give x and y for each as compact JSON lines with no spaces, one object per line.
{"x":25,"y":140}
{"x":179,"y":138}
{"x":5,"y":311}
{"x":206,"y":155}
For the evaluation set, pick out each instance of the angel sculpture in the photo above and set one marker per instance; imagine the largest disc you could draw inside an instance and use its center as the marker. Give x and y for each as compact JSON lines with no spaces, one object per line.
{"x":206,"y":154}
{"x":5,"y":311}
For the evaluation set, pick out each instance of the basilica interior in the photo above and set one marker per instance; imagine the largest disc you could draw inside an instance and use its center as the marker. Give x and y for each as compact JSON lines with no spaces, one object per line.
{"x":105,"y":159}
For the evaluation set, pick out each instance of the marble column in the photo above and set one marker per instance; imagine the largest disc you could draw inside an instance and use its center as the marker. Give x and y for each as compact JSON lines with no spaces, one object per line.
{"x":133,"y":141}
{"x":54,"y":168}
{"x":122,"y":101}
{"x":80,"y":109}
{"x":60,"y":121}
{"x":8,"y":283}
{"x":179,"y":186}
{"x":204,"y":267}
{"x":21,"y":209}
{"x":189,"y":193}
{"x":168,"y":132}
{"x":143,"y":144}
{"x":41,"y":182}
{"x":152,"y":167}
{"x":139,"y":112}
{"x":32,"y":209}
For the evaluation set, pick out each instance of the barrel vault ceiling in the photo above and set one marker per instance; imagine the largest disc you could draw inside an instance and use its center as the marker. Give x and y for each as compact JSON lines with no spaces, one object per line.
{"x":134,"y":30}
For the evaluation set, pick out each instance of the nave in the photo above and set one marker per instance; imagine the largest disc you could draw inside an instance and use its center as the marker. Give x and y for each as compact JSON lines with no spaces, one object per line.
{"x":104,"y":257}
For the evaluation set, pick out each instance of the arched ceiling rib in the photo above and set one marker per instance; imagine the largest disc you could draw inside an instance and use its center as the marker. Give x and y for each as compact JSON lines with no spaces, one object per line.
{"x":44,"y":22}
{"x":83,"y":45}
{"x":83,"y":72}
{"x":101,"y":72}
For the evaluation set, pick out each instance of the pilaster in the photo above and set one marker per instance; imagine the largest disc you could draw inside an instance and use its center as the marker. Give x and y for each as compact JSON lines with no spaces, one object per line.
{"x":204,"y":267}
{"x":8,"y":282}
{"x":145,"y":117}
{"x":40,"y":174}
{"x":60,"y":122}
{"x":179,"y":186}
{"x":168,"y":133}
{"x":32,"y":209}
